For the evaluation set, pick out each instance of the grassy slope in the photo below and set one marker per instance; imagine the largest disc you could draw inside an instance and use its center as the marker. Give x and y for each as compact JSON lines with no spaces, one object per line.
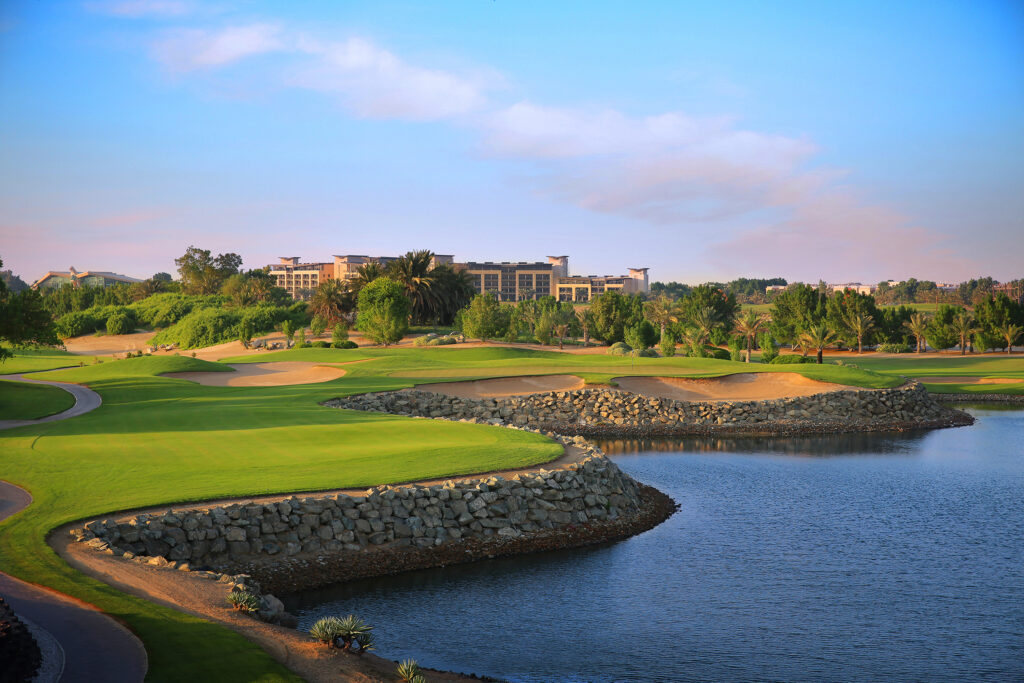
{"x":158,"y":440}
{"x":935,"y":365}
{"x":24,"y":401}
{"x":31,"y":360}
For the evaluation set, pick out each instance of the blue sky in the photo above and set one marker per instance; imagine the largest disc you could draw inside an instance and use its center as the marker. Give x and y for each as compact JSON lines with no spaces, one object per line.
{"x":843,"y":141}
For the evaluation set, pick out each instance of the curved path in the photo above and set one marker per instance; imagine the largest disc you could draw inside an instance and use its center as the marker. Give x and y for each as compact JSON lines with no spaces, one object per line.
{"x":85,"y":400}
{"x":96,"y":648}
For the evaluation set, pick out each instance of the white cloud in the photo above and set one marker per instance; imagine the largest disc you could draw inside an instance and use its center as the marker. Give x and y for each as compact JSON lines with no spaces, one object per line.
{"x":190,"y":49}
{"x":376,"y":83}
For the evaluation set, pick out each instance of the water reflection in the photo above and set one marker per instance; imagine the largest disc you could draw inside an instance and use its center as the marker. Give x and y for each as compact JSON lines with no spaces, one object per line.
{"x":818,"y":446}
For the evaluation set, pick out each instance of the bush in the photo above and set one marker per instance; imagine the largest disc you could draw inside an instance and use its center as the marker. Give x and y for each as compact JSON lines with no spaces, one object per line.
{"x":619,"y":349}
{"x":408,"y":671}
{"x":736,"y":348}
{"x":203,"y":327}
{"x":717,"y":353}
{"x":317,"y":326}
{"x":668,"y":347}
{"x":894,"y":348}
{"x":326,"y":630}
{"x":769,"y":349}
{"x":120,"y":323}
{"x":347,"y":344}
{"x":792,"y":359}
{"x":339,"y":333}
{"x":244,"y":601}
{"x":647,"y":353}
{"x":76,"y":324}
{"x":320,"y":345}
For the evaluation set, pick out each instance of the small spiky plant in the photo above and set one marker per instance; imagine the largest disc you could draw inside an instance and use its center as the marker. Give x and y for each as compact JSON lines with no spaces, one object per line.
{"x":349,"y":628}
{"x":244,"y":601}
{"x":326,"y":630}
{"x":409,"y":671}
{"x":365,"y":641}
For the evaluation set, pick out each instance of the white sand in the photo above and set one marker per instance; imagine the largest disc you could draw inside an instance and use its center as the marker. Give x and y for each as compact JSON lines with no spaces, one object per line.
{"x":263,"y":375}
{"x":740,"y":387}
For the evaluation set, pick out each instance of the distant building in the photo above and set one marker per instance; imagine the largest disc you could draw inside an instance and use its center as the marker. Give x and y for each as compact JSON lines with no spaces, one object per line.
{"x":854,"y":286}
{"x":774,"y":288}
{"x":508,"y":281}
{"x":55,"y":279}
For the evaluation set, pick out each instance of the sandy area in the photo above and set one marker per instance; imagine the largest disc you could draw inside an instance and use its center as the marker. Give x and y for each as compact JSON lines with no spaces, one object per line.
{"x":504,"y":386}
{"x":740,"y":387}
{"x":207,"y":599}
{"x":263,"y":375}
{"x":968,"y":380}
{"x":108,"y":345}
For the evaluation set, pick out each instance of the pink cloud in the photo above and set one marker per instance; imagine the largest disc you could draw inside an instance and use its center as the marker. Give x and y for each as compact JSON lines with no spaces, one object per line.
{"x":191,"y":49}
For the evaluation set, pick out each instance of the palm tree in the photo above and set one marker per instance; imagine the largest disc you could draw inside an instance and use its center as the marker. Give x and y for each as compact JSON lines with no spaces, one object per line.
{"x":586,"y":320}
{"x":860,"y":324}
{"x":453,"y":290}
{"x":365,"y":274}
{"x":704,"y":320}
{"x":817,"y":337}
{"x":749,"y":325}
{"x":918,"y":326}
{"x":662,"y":311}
{"x":1010,"y":333}
{"x":963,"y":325}
{"x":413,"y":272}
{"x":332,"y":300}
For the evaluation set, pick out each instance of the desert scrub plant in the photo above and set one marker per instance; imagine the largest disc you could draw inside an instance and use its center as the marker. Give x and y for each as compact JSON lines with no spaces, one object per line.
{"x":352,"y":629}
{"x":408,"y":671}
{"x":326,"y":630}
{"x":244,"y":601}
{"x":365,"y":641}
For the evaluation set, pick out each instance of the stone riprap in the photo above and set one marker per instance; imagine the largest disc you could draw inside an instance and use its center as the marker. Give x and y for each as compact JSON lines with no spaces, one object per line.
{"x":591,"y":490}
{"x":610,"y":412}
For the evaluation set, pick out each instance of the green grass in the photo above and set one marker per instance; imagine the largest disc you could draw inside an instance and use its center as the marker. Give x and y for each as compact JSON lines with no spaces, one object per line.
{"x":936,"y":365}
{"x":33,"y":360}
{"x":157,"y":440}
{"x":25,"y":401}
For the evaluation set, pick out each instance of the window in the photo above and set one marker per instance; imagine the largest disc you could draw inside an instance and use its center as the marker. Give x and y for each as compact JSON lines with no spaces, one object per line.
{"x":543,"y":285}
{"x":582,"y":295}
{"x":525,"y":280}
{"x":490,"y":282}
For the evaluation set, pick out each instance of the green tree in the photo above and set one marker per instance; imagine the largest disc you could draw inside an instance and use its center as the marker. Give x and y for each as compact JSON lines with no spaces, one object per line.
{"x":794,"y":310}
{"x":383,"y":311}
{"x":748,"y":325}
{"x":332,"y":301}
{"x":860,"y":325}
{"x":817,"y":337}
{"x":483,"y":318}
{"x":586,"y":321}
{"x":202,"y":273}
{"x":339,"y":333}
{"x":24,"y":319}
{"x":723,"y":306}
{"x":963,"y":327}
{"x":245,"y":333}
{"x":317,"y":326}
{"x":939,"y":333}
{"x":288,"y":328}
{"x":769,"y":349}
{"x":1011,"y":333}
{"x":918,"y":326}
{"x":613,"y":313}
{"x":662,"y":312}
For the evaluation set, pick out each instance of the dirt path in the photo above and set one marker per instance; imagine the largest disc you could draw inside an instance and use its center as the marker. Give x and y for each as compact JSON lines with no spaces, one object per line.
{"x":95,"y":647}
{"x":86,"y":400}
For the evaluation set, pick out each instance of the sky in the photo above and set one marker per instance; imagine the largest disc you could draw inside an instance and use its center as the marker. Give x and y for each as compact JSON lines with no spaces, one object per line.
{"x":844,"y":141}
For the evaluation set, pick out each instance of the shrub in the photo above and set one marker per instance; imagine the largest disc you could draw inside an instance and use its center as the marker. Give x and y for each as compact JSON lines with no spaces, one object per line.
{"x":715,"y":352}
{"x":244,"y":601}
{"x":668,"y":347}
{"x":339,"y":333}
{"x":365,"y":641}
{"x":893,"y":348}
{"x":347,"y":344}
{"x":202,"y":327}
{"x":408,"y":671}
{"x":353,"y":630}
{"x":119,"y":323}
{"x":326,"y":630}
{"x":736,"y":348}
{"x":320,"y":345}
{"x":76,"y":324}
{"x":769,"y":349}
{"x":619,"y":349}
{"x":647,"y":353}
{"x":791,"y":359}
{"x":288,"y":328}
{"x":317,"y":326}
{"x":383,"y":311}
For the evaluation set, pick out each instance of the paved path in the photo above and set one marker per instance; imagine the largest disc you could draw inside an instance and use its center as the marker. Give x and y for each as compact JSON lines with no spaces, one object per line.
{"x":95,"y":647}
{"x":85,"y":400}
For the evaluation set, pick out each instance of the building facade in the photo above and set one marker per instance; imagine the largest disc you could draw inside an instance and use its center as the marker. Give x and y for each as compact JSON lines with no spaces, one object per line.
{"x":55,"y":279}
{"x":298,"y":279}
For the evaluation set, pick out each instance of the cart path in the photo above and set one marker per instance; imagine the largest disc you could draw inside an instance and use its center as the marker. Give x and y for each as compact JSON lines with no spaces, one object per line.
{"x":96,"y":648}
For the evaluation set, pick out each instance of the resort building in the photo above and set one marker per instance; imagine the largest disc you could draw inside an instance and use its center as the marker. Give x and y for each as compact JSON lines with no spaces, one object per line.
{"x":55,"y":279}
{"x":508,"y":281}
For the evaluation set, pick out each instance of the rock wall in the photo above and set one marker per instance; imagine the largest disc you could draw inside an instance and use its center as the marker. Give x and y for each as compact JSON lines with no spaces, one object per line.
{"x":609,"y":411}
{"x":591,"y":490}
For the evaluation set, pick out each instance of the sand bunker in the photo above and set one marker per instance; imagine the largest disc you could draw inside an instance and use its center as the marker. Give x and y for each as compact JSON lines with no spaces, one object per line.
{"x":505,"y":386}
{"x":263,"y":375}
{"x":968,"y":380}
{"x":108,"y":344}
{"x":742,"y":387}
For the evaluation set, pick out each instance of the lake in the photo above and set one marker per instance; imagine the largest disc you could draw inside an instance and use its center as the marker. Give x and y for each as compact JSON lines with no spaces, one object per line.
{"x":895,"y":557}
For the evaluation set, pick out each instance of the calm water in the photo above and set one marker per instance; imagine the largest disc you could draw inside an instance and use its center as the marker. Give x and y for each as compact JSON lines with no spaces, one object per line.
{"x":859,"y":558}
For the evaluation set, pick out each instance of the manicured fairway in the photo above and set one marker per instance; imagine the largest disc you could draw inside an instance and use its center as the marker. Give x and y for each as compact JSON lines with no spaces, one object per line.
{"x":157,"y":440}
{"x":25,"y":401}
{"x":944,"y":365}
{"x":44,"y":359}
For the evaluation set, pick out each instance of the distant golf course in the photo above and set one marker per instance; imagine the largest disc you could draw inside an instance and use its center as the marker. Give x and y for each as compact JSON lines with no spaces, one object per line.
{"x":157,"y":440}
